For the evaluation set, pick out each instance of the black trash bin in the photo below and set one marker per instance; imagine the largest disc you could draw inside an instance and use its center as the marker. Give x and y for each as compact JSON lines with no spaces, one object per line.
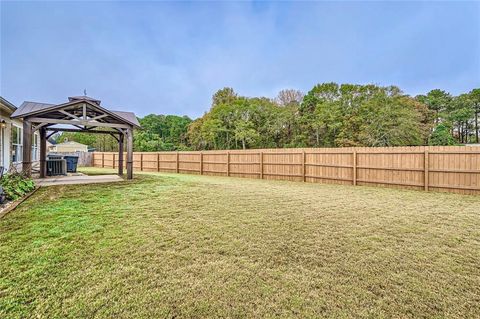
{"x":72,"y":161}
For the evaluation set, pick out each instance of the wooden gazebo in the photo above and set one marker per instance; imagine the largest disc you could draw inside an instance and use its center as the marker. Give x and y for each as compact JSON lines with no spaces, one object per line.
{"x":79,"y":114}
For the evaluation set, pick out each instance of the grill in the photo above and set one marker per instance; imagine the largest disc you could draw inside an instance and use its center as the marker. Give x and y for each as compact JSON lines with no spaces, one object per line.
{"x":56,"y":167}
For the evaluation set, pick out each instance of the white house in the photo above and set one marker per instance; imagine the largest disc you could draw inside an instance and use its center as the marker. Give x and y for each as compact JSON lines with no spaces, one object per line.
{"x":11,"y":133}
{"x":68,"y":147}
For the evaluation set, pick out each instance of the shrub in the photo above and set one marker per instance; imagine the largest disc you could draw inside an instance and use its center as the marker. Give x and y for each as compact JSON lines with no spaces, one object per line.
{"x":16,"y":185}
{"x":441,"y":136}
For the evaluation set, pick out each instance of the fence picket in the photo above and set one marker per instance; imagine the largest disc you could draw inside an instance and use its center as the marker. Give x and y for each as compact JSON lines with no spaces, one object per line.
{"x":435,"y":168}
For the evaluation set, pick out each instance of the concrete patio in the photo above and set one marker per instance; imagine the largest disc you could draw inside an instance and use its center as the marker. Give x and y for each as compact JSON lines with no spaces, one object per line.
{"x":77,"y":179}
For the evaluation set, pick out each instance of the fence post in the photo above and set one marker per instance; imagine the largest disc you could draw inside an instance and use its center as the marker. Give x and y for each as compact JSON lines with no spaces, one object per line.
{"x":177,"y":163}
{"x":304,"y":165}
{"x":228,"y":163}
{"x":426,"y":164}
{"x":354,"y":168}
{"x":113,"y":161}
{"x":261,"y":165}
{"x":201,"y":163}
{"x":103,"y":160}
{"x":141,"y":162}
{"x":158,"y":162}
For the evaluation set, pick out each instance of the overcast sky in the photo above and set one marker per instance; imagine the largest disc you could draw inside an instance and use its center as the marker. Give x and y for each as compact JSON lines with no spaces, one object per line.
{"x":169,"y":58}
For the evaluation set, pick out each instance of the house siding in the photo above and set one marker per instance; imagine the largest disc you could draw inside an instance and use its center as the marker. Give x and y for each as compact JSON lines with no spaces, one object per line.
{"x":69,"y":148}
{"x":6,"y":148}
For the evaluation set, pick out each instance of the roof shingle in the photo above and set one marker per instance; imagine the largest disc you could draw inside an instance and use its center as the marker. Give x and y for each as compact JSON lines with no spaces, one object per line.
{"x":29,"y":107}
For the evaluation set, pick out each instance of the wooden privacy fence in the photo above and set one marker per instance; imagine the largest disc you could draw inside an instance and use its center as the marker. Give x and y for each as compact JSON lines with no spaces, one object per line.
{"x":439,"y":168}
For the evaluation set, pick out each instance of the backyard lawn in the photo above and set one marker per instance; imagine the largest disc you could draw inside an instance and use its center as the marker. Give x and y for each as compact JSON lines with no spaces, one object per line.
{"x":166,"y":245}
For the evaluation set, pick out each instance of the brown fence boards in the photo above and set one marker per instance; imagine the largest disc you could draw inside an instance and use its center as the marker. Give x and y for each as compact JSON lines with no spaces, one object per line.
{"x":438,"y":168}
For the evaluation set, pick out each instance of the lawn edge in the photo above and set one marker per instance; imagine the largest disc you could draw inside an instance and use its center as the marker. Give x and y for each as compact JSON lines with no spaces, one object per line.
{"x":16,"y":203}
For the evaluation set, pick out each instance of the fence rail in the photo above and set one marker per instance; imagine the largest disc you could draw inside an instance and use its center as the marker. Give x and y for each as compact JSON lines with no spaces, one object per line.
{"x":438,"y":168}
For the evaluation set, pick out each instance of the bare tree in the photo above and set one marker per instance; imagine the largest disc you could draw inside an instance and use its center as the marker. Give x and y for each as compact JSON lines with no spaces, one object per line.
{"x":288,"y":97}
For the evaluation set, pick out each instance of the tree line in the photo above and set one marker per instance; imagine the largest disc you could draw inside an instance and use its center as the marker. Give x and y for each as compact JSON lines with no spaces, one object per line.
{"x":329,"y":115}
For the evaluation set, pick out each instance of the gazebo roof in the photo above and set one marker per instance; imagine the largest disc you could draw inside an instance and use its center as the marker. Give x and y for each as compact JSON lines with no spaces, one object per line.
{"x":78,"y":114}
{"x":28,"y":109}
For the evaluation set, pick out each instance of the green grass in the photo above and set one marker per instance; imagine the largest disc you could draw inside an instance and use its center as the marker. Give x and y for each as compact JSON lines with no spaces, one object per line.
{"x":183,"y":246}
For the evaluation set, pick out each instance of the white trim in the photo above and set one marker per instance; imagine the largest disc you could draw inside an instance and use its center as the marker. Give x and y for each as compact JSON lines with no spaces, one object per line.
{"x":2,"y":146}
{"x":5,"y":135}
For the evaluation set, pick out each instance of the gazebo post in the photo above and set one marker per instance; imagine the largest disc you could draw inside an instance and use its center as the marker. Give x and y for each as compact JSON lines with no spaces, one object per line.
{"x":83,"y":113}
{"x":120,"y":154}
{"x":43,"y":152}
{"x":130,"y":153}
{"x":27,"y":148}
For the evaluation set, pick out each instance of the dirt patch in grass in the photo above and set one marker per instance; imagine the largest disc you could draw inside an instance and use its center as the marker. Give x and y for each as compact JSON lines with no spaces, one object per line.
{"x":167,"y":245}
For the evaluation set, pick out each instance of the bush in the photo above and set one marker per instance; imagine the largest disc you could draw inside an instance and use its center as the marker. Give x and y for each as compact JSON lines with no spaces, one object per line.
{"x":441,"y":136}
{"x":16,"y":185}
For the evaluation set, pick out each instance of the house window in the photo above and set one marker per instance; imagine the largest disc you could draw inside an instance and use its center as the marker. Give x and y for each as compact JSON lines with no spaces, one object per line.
{"x":34,"y":147}
{"x":17,"y":144}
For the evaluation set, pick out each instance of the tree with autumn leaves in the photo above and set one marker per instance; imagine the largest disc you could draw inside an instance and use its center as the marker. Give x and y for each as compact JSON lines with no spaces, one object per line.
{"x":329,"y":115}
{"x":337,"y":115}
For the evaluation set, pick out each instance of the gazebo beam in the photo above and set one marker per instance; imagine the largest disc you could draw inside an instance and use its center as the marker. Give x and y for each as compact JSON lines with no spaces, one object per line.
{"x":53,"y":129}
{"x":70,"y":115}
{"x":50,"y":135}
{"x":76,"y":122}
{"x":43,"y":152}
{"x":39,"y":126}
{"x":99,"y":117}
{"x":130,"y":153}
{"x":120,"y":154}
{"x":27,"y":148}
